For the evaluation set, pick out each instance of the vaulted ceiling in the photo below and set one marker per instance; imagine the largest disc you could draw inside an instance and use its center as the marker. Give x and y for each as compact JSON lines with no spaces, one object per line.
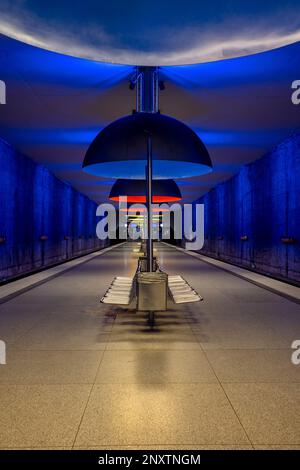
{"x":56,"y":104}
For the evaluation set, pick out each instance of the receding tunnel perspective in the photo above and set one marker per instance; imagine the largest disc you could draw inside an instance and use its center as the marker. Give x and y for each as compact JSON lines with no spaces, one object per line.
{"x":149,"y":233}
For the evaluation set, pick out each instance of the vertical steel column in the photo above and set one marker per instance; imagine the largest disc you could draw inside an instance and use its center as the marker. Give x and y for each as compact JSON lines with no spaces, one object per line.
{"x":147,"y":90}
{"x":147,"y":102}
{"x":149,"y":203}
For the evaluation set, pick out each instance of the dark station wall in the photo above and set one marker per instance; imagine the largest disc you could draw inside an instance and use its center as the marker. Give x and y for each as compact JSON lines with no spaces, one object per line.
{"x":43,"y":221}
{"x":253,"y":219}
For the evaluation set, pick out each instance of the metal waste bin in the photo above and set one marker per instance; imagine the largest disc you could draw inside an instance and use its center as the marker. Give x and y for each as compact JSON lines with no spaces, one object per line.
{"x":152,"y":291}
{"x":143,"y":264}
{"x":144,"y":248}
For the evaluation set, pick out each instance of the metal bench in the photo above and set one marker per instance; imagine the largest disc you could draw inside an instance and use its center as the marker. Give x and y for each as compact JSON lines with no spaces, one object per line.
{"x":181,"y":292}
{"x":120,"y":291}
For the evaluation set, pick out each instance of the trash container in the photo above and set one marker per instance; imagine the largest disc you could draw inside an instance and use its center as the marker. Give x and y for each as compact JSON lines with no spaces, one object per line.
{"x":144,"y":247}
{"x":152,"y":291}
{"x":143,"y":264}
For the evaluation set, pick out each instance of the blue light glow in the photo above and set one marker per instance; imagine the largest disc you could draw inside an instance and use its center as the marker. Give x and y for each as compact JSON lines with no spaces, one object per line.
{"x":135,"y":169}
{"x":256,"y":68}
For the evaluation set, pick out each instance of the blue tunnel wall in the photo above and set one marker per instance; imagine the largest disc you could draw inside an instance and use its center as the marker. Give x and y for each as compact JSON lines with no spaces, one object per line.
{"x":261,"y":204}
{"x":35,"y":204}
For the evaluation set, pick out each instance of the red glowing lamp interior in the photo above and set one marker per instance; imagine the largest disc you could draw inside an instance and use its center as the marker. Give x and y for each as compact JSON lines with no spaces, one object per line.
{"x":155,"y":199}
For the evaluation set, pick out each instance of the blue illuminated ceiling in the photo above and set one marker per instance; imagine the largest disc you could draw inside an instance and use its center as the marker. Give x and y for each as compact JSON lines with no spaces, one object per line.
{"x":160,"y":32}
{"x":57,"y":104}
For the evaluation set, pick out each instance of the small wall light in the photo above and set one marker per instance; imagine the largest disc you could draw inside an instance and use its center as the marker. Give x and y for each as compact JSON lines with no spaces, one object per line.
{"x":288,"y":240}
{"x":43,"y":238}
{"x":244,"y":238}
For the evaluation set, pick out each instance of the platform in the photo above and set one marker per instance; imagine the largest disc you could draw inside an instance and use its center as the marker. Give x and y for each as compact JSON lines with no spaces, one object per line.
{"x":213,"y":374}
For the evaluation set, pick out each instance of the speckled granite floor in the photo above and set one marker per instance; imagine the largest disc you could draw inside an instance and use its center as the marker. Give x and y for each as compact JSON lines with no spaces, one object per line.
{"x":216,"y":374}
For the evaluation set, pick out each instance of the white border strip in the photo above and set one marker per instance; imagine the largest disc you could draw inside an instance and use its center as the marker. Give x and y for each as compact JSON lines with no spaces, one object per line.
{"x":13,"y":288}
{"x":278,"y":287}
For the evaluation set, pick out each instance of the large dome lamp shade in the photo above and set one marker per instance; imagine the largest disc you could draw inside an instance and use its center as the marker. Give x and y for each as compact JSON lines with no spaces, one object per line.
{"x":120,"y":149}
{"x":135,"y":191}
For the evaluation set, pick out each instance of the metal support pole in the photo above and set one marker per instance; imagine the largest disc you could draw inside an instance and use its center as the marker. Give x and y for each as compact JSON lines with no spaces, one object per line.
{"x":147,"y":102}
{"x":147,"y":90}
{"x":149,"y":203}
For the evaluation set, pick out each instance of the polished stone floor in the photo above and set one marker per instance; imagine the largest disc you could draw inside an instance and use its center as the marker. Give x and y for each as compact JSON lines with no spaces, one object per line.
{"x":216,"y":374}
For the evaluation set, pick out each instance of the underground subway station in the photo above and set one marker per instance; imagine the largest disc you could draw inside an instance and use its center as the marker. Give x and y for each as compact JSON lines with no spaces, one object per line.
{"x":149,"y":230}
